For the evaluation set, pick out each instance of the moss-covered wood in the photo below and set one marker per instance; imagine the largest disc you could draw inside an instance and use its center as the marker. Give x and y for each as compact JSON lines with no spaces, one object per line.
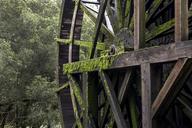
{"x":100,"y":46}
{"x":101,"y":63}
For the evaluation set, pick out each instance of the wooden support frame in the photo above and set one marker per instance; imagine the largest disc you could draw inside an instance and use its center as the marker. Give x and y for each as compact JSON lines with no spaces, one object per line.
{"x":158,"y":54}
{"x":181,"y":51}
{"x":113,"y":101}
{"x":173,"y":84}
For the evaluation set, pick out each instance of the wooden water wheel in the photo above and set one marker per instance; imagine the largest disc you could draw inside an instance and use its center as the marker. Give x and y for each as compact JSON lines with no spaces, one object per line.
{"x":138,"y":73}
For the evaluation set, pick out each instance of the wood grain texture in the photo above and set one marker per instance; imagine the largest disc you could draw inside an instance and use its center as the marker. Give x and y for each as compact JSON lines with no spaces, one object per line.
{"x":181,"y":20}
{"x":139,"y":24}
{"x":158,"y":54}
{"x":146,"y":95}
{"x":113,"y":101}
{"x":172,"y":86}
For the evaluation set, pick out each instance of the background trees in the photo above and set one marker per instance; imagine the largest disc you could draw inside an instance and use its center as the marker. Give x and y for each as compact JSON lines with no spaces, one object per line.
{"x":27,"y":62}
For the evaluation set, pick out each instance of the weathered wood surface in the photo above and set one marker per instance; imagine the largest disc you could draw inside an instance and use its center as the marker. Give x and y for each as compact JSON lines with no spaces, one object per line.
{"x":172,"y":86}
{"x":181,"y":70}
{"x":158,"y":54}
{"x":139,"y":24}
{"x":146,"y":95}
{"x":98,"y":26}
{"x":113,"y":101}
{"x":181,"y":20}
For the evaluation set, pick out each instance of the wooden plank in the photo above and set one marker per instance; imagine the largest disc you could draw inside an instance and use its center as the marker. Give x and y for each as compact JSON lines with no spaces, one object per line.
{"x":98,"y":26}
{"x":75,"y":109}
{"x":72,"y":31}
{"x":124,"y":86}
{"x":77,"y":92}
{"x":79,"y":97}
{"x":172,"y":86}
{"x":146,"y":95}
{"x":157,"y":54}
{"x":123,"y":90}
{"x":85,"y":97}
{"x":139,"y":24}
{"x":181,"y":20}
{"x":119,"y":13}
{"x":88,"y":44}
{"x":113,"y":101}
{"x":92,"y":92}
{"x":104,"y":29}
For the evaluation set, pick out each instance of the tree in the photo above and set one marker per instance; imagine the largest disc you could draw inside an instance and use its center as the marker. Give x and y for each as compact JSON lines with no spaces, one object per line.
{"x":28,"y":62}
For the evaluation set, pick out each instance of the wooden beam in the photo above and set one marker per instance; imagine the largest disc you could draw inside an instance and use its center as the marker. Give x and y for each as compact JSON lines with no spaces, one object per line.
{"x":75,"y":109}
{"x":124,"y":86}
{"x":80,"y":100}
{"x":181,"y":20}
{"x":100,"y":46}
{"x":72,"y":31}
{"x":123,"y":90}
{"x":98,"y":26}
{"x":92,"y":93}
{"x":104,"y":29}
{"x":172,"y":86}
{"x":85,"y":97}
{"x":113,"y":101}
{"x":77,"y":92}
{"x":146,"y":95}
{"x":157,"y":54}
{"x":139,"y":24}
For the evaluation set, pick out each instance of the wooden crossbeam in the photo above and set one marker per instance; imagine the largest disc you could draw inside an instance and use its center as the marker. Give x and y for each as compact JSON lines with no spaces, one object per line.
{"x":157,"y":54}
{"x":113,"y":101}
{"x":98,"y":26}
{"x":146,"y":95}
{"x":88,"y":44}
{"x":172,"y":86}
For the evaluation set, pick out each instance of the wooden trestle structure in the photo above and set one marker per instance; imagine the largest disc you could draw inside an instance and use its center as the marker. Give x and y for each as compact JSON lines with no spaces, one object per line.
{"x":148,"y":84}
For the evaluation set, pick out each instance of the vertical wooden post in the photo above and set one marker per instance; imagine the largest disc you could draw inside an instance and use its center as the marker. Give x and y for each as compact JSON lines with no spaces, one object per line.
{"x":139,"y":42}
{"x":139,"y":24}
{"x":92,"y":95}
{"x":146,"y":95}
{"x":181,"y":20}
{"x":85,"y":97}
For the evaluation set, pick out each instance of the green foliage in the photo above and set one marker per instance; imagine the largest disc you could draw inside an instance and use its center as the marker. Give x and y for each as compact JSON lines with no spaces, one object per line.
{"x":28,"y":61}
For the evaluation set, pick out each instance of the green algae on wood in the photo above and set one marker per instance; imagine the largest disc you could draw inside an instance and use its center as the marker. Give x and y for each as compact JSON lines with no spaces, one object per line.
{"x":66,"y":85}
{"x":159,"y":30}
{"x":101,"y":63}
{"x":77,"y":92}
{"x":100,"y":46}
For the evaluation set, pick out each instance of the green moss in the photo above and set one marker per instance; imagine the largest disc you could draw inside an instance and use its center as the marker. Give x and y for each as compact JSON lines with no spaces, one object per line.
{"x":90,"y":65}
{"x":159,"y":30}
{"x":100,"y":46}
